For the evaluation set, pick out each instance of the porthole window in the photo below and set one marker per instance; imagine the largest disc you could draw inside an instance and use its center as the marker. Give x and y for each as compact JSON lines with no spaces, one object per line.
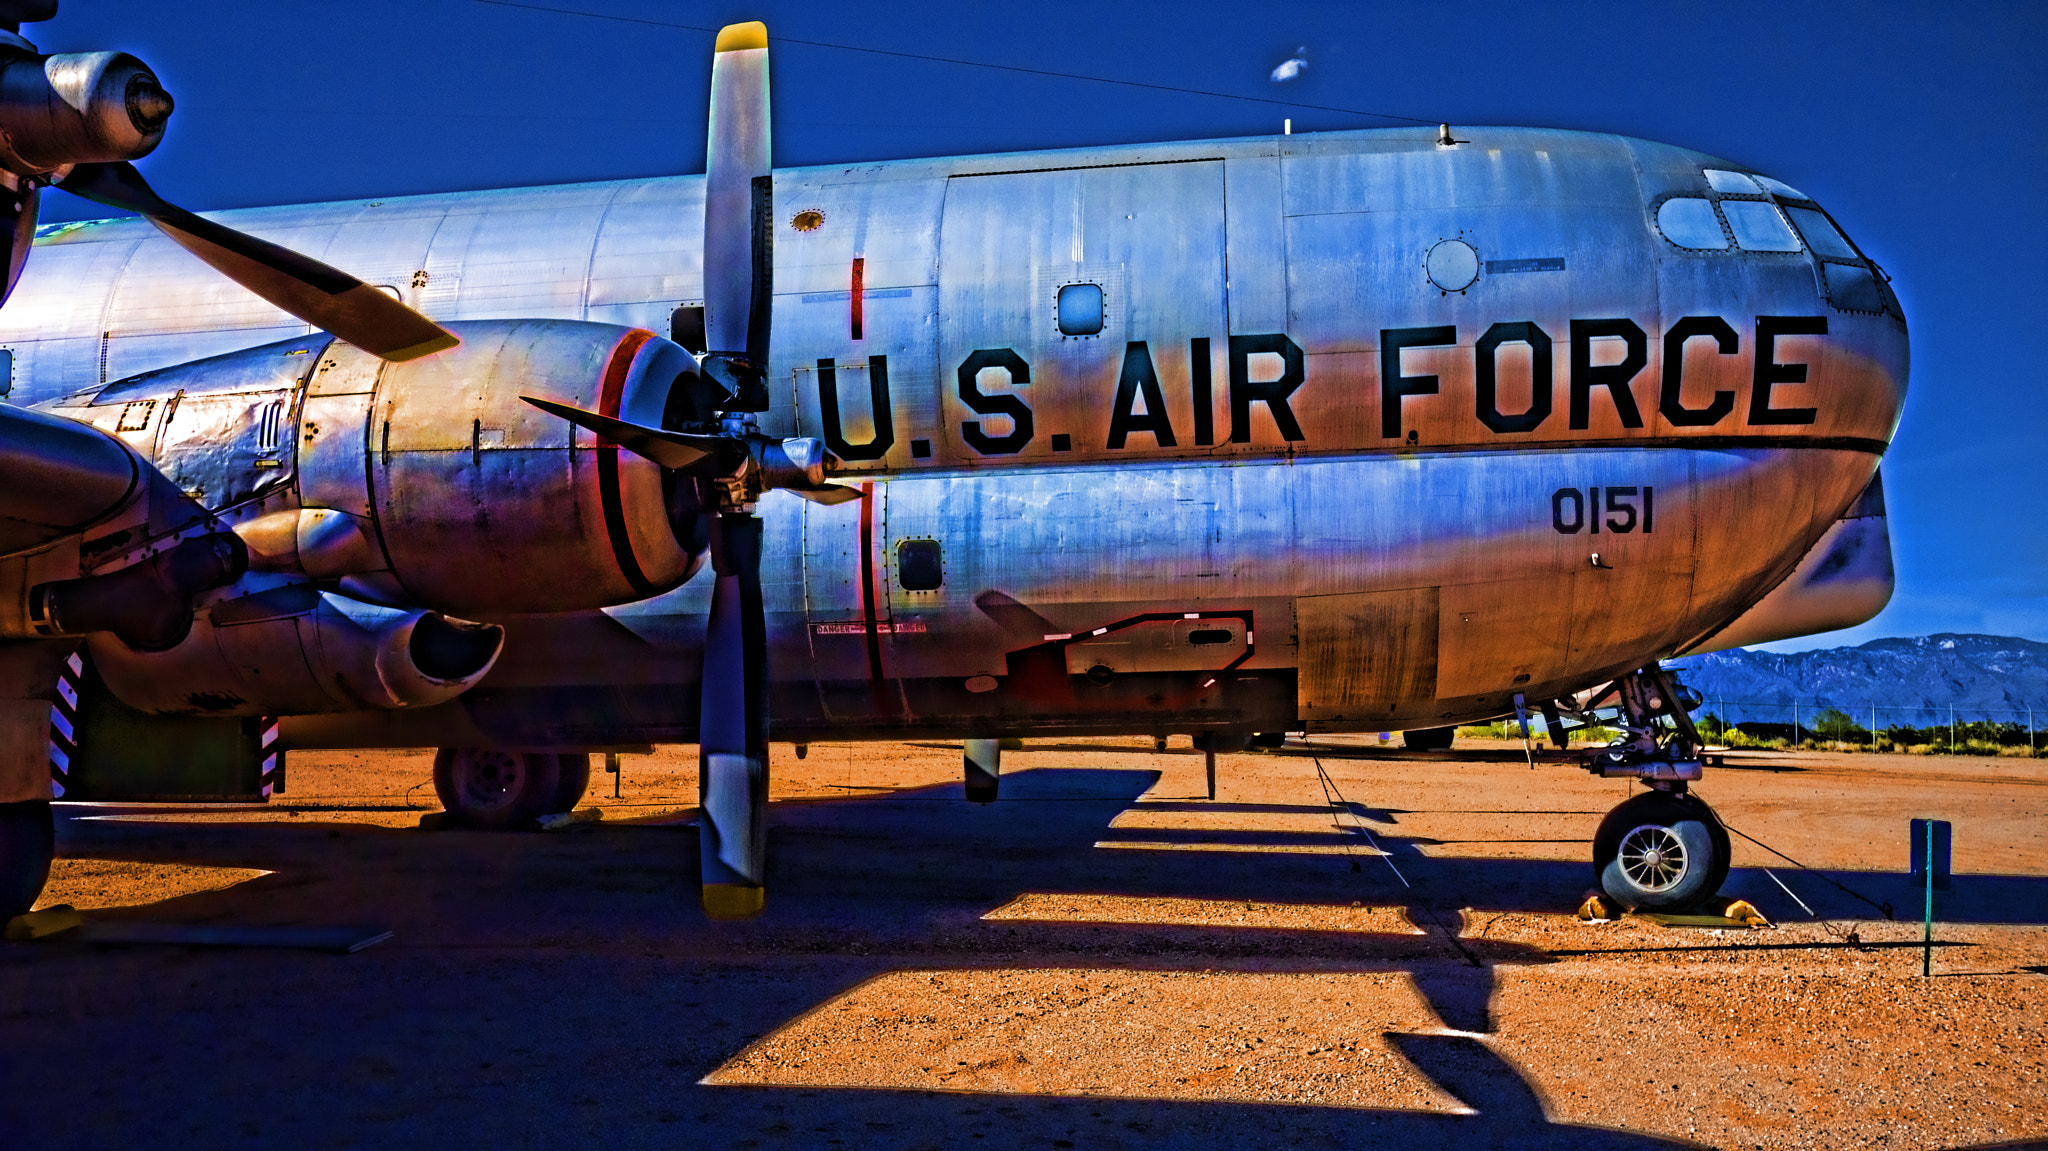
{"x":1734,"y":183}
{"x":1080,"y":310}
{"x":1758,"y":227}
{"x":919,"y":566}
{"x":1691,"y":223}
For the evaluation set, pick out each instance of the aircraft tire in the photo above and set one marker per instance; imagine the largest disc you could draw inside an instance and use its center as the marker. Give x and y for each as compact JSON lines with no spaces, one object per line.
{"x":492,"y":789}
{"x":1659,"y":852}
{"x":28,"y":841}
{"x":574,"y":781}
{"x":1429,"y":738}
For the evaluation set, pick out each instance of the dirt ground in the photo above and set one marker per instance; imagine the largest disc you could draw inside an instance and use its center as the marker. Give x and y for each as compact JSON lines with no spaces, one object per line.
{"x":1349,"y":949}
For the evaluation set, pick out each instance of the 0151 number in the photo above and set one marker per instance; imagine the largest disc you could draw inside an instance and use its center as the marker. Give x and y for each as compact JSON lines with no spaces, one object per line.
{"x":1615,"y":509}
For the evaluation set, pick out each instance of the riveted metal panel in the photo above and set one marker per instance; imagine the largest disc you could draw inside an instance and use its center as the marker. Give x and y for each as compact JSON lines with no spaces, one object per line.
{"x":1366,"y":656}
{"x":1152,"y":235}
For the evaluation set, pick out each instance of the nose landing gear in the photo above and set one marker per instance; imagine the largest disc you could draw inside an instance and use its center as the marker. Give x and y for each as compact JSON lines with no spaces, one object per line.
{"x":1660,"y":850}
{"x":1665,"y":849}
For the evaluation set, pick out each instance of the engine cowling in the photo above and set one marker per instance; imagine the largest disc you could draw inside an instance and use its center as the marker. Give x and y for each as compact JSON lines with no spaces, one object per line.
{"x":484,"y":504}
{"x":429,"y":483}
{"x":295,"y":650}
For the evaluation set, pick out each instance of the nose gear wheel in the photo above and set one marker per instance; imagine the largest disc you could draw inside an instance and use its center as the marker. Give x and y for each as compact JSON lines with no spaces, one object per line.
{"x":1653,"y":858}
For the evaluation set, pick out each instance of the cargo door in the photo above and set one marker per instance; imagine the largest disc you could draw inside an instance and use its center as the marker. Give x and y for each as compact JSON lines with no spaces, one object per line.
{"x":1060,"y":289}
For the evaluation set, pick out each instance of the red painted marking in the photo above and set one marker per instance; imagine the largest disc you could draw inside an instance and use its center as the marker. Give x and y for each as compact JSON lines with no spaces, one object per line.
{"x":610,"y":394}
{"x":867,"y":590}
{"x":853,"y":300}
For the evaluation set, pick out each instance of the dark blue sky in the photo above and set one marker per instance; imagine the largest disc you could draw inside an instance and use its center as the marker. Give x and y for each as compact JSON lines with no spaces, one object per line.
{"x":1919,"y":127}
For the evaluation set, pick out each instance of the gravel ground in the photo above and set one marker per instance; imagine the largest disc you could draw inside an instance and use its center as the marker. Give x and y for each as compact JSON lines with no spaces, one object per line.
{"x":1105,"y":958}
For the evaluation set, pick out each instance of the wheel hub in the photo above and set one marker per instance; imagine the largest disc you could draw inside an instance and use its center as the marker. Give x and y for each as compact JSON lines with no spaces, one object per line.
{"x":493,"y":780}
{"x":1653,"y":857}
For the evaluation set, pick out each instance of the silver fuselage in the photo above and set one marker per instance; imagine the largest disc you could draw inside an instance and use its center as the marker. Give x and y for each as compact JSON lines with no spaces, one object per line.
{"x":1375,"y":433}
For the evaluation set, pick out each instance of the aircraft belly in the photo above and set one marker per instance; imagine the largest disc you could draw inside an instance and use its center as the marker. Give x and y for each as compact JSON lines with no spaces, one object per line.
{"x":1364,"y":594}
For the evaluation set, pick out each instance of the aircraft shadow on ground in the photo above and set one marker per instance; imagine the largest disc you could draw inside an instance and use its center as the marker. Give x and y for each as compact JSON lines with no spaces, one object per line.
{"x":864,"y":885}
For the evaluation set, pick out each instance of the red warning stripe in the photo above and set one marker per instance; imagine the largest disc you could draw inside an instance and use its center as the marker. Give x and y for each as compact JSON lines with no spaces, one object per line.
{"x":611,"y":392}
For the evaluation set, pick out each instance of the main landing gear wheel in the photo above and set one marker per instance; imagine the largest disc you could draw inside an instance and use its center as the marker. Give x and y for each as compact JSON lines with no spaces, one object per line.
{"x":1660,"y":851}
{"x":1429,"y":738}
{"x":573,"y":781}
{"x":28,"y":840}
{"x":496,"y":790}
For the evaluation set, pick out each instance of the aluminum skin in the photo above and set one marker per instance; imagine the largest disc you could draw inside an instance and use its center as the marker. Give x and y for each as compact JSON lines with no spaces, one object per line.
{"x":1363,"y":431}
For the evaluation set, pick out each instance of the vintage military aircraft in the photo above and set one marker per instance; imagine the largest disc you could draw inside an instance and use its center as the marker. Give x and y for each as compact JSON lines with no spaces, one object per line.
{"x":1351,"y":431}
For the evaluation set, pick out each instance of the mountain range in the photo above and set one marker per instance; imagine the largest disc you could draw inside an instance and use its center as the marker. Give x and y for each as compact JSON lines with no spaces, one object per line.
{"x":1982,"y":676}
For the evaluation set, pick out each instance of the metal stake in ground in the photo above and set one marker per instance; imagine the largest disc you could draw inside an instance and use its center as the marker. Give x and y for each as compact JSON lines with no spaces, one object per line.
{"x":1930,"y":841}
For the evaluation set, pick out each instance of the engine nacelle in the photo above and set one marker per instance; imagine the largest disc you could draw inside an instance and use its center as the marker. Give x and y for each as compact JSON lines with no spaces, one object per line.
{"x":484,"y":504}
{"x":294,"y":650}
{"x":77,"y":108}
{"x":429,"y":483}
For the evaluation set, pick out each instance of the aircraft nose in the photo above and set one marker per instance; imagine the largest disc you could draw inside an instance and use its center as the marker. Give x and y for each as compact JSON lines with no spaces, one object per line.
{"x":1803,"y":277}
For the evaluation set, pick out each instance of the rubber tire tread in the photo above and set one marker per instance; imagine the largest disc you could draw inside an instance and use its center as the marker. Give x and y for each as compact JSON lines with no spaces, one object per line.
{"x":573,"y":782}
{"x":1429,"y":738}
{"x":540,"y":784}
{"x":28,"y":841}
{"x":1691,"y":820}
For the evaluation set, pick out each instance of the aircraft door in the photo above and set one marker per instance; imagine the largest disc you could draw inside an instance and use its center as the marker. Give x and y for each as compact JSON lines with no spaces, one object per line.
{"x":1080,"y":311}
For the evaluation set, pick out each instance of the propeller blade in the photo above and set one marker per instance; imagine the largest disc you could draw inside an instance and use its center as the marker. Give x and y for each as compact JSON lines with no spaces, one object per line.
{"x":327,"y":298}
{"x":739,"y":216}
{"x":828,"y":495}
{"x":733,"y":726}
{"x":669,"y":449}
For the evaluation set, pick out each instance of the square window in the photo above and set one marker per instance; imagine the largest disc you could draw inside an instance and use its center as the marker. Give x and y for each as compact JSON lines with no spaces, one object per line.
{"x":918,"y":565}
{"x":1080,"y":308}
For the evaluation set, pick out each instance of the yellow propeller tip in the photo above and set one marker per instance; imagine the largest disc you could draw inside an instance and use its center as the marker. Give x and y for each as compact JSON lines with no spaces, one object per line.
{"x":740,"y":37}
{"x":733,"y":900}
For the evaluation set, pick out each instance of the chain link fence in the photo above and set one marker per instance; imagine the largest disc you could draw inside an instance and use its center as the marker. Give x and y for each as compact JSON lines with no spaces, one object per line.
{"x":1820,"y":721}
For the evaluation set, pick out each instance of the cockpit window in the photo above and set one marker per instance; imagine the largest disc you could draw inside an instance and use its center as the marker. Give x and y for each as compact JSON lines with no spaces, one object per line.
{"x":1758,"y":227}
{"x":1760,"y":214}
{"x":1732,"y":182}
{"x":1821,"y":234}
{"x":1781,"y":188}
{"x":1691,"y":223}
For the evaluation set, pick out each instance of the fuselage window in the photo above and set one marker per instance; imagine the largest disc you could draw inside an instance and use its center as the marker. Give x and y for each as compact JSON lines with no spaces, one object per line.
{"x":1691,"y":223}
{"x":6,"y":370}
{"x":1080,"y":308}
{"x":918,"y":565}
{"x":1758,"y":227}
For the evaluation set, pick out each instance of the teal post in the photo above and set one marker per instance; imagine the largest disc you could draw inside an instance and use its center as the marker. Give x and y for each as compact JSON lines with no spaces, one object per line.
{"x":1929,"y":843}
{"x":1927,"y":916}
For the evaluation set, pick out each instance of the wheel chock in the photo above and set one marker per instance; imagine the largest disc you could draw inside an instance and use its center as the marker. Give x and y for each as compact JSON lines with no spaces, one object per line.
{"x":44,"y":923}
{"x":434,"y":821}
{"x":1745,"y":912}
{"x":557,"y":821}
{"x":1596,"y":910}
